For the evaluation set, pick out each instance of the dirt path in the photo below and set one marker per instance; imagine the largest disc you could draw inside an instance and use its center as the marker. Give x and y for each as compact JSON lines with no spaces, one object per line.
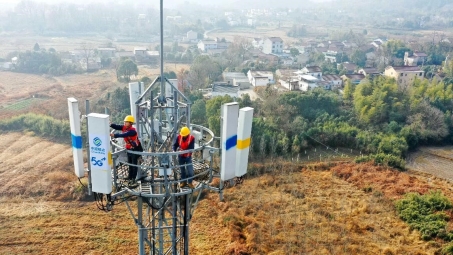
{"x":437,"y":161}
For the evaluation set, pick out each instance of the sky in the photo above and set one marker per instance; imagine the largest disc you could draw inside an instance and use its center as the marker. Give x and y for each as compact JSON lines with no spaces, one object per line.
{"x":7,"y":5}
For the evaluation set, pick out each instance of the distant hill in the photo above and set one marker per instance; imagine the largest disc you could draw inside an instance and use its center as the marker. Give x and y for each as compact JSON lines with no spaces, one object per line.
{"x":392,"y":5}
{"x":343,"y":4}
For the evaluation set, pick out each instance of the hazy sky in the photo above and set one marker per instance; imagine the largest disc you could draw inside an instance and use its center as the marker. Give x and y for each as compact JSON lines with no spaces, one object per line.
{"x":7,"y":5}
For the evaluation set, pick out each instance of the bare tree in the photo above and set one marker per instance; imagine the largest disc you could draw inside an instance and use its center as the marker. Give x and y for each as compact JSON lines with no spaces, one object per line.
{"x":87,"y":53}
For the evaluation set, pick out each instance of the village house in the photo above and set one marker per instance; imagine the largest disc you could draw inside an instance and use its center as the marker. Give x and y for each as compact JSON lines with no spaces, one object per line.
{"x":236,"y":79}
{"x":260,"y":78}
{"x":333,"y":80}
{"x":350,"y":68}
{"x":273,"y":45}
{"x":404,"y":75}
{"x":353,"y":78}
{"x":261,"y":57}
{"x":106,"y":52}
{"x":308,"y":82}
{"x":314,"y":71}
{"x":223,"y":89}
{"x":191,"y":37}
{"x":288,"y":78}
{"x":205,"y":45}
{"x":371,"y":71}
{"x":414,"y":59}
{"x":213,"y":47}
{"x":93,"y":64}
{"x":125,"y":54}
{"x":257,"y":43}
{"x":143,"y":55}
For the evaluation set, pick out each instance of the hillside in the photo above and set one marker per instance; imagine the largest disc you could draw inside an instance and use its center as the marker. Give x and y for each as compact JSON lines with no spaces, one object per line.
{"x":281,"y":208}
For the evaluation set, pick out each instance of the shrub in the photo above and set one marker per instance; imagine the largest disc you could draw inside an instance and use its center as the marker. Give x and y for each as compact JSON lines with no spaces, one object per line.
{"x":41,"y":125}
{"x":384,"y":159}
{"x":425,"y":213}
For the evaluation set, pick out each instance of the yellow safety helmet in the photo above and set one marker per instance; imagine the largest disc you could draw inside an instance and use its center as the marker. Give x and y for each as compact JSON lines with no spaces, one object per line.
{"x":185,"y":131}
{"x":129,"y":118}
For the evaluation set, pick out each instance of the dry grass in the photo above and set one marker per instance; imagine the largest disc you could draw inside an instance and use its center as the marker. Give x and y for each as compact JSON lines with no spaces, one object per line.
{"x":305,"y":212}
{"x":251,"y":33}
{"x":54,"y":91}
{"x":337,"y":208}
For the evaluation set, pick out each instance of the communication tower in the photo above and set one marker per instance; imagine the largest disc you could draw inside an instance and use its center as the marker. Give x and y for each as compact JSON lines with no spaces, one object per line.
{"x":163,"y":208}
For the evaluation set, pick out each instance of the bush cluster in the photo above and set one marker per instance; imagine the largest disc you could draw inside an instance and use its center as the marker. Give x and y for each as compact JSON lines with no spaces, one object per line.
{"x":426,"y":213}
{"x":384,"y":159}
{"x":41,"y":125}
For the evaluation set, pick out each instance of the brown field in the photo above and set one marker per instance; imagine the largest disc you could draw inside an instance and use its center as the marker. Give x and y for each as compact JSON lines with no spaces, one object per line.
{"x":336,"y":208}
{"x":23,"y":42}
{"x":16,"y":87}
{"x":250,"y":33}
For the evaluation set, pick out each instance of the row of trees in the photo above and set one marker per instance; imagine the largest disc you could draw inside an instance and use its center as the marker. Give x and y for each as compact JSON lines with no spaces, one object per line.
{"x":41,"y":125}
{"x":374,"y":117}
{"x":42,"y":61}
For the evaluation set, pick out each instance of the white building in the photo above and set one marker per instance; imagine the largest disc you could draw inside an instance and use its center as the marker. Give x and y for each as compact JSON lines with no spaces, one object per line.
{"x":237,"y":79}
{"x":257,"y":43}
{"x":205,"y":45}
{"x":314,"y":71}
{"x":191,"y":36}
{"x":260,"y":78}
{"x":106,"y":52}
{"x":273,"y":45}
{"x":308,"y":82}
{"x":334,"y":80}
{"x":223,"y":90}
{"x":140,"y":51}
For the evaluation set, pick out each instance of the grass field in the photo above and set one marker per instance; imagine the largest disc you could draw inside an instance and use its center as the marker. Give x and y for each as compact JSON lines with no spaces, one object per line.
{"x":283,"y":208}
{"x":23,"y":104}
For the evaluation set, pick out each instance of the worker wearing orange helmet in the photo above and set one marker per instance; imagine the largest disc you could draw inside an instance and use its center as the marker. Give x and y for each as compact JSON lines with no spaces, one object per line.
{"x":129,"y":134}
{"x":185,"y":141}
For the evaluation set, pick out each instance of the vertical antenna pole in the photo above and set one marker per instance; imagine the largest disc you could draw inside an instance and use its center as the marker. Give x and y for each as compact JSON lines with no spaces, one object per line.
{"x":141,"y":230}
{"x":162,"y":80}
{"x":90,"y":185}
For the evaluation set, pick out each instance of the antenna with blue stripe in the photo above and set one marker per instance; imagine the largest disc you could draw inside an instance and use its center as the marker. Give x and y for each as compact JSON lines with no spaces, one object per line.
{"x":230,"y":113}
{"x":76,"y":136}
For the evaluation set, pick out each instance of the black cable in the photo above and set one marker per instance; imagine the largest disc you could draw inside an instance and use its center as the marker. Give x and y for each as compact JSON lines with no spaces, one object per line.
{"x":82,"y":183}
{"x":98,"y":197}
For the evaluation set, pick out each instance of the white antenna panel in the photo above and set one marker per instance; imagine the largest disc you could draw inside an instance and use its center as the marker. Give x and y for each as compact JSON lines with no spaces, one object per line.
{"x":99,"y":146}
{"x":76,"y":137}
{"x":230,"y":114}
{"x":135,"y":89}
{"x":243,"y":145}
{"x":197,"y":136}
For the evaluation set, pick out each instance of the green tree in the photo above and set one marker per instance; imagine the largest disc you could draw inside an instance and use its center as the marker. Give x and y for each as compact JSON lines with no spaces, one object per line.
{"x":379,"y":101}
{"x":348,"y":91}
{"x":126,"y":69}
{"x":213,"y":108}
{"x":294,"y":52}
{"x":358,"y":57}
{"x":203,"y":71}
{"x":198,"y":112}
